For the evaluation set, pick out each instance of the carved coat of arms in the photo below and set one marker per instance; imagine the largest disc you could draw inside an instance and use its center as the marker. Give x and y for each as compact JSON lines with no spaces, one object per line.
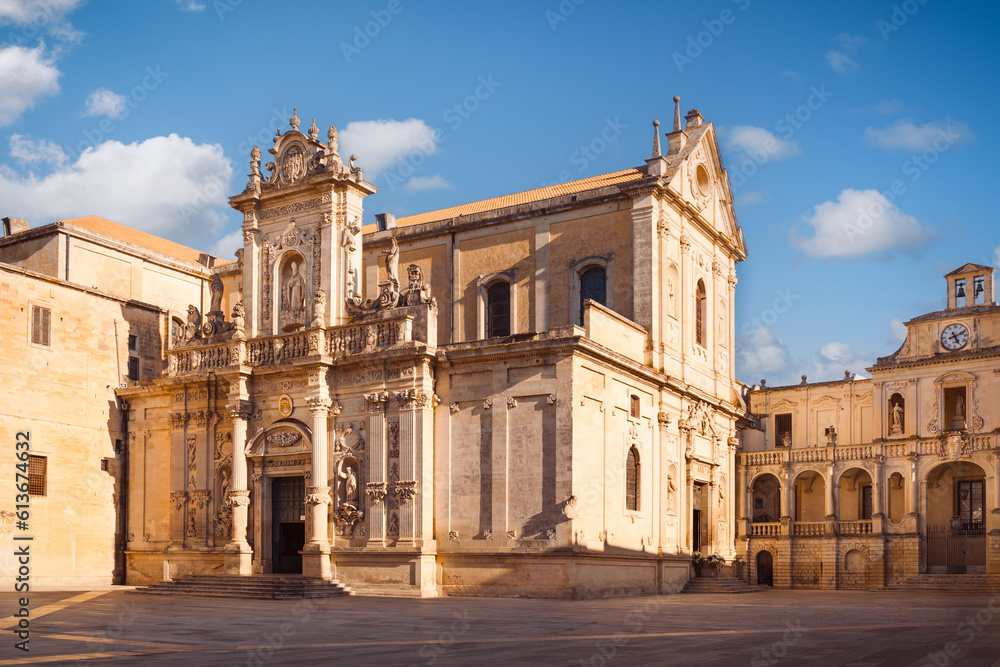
{"x":293,"y":165}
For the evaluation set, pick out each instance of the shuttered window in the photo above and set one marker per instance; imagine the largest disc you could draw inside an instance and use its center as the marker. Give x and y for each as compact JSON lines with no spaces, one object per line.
{"x":36,"y":475}
{"x":41,"y":322}
{"x":632,"y":480}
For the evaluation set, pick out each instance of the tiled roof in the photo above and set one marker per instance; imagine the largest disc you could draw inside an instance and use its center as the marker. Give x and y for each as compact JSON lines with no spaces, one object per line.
{"x":518,"y":198}
{"x":99,"y":225}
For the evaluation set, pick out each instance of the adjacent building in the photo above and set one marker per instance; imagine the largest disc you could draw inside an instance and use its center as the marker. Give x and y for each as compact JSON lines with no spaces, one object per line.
{"x":866,"y":483}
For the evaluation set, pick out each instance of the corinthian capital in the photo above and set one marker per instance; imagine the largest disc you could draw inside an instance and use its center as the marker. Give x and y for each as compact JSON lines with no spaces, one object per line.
{"x":319,"y":404}
{"x":240,"y":410}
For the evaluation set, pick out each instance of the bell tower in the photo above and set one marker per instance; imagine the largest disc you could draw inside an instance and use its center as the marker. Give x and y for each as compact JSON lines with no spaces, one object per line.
{"x":301,"y":233}
{"x":970,"y":285}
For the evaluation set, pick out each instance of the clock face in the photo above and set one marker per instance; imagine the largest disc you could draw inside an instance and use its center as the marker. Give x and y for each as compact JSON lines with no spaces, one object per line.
{"x":954,"y":336}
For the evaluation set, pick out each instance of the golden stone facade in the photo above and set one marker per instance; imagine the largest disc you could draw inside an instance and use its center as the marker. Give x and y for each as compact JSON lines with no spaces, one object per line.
{"x":531,"y":395}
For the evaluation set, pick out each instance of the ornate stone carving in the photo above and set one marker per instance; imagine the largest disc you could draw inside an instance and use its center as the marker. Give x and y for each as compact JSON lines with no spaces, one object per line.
{"x":319,"y":495}
{"x":192,"y":447}
{"x":319,"y":404}
{"x":376,"y":491}
{"x":376,"y":401}
{"x":455,"y":407}
{"x":178,"y":499}
{"x":452,"y":534}
{"x":511,"y":535}
{"x":511,"y":402}
{"x":200,"y":497}
{"x":283,"y":438}
{"x":550,"y":399}
{"x":406,"y":489}
{"x":240,"y":497}
{"x":389,"y":294}
{"x":487,"y":404}
{"x":417,"y":292}
{"x":488,"y":535}
{"x":550,"y":534}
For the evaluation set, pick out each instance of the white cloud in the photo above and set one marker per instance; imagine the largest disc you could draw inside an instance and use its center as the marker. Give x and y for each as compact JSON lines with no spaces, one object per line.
{"x":760,"y":144}
{"x":835,"y":358}
{"x":38,"y":16}
{"x":191,"y":5}
{"x":858,"y":223}
{"x":421,"y":183}
{"x":840,"y":62}
{"x":26,"y":149}
{"x":168,"y":186}
{"x":104,"y":102}
{"x":380,"y":144}
{"x":226,"y":247}
{"x":750,"y":198}
{"x":761,"y":354}
{"x":996,"y":257}
{"x":907,"y":135}
{"x":25,"y":76}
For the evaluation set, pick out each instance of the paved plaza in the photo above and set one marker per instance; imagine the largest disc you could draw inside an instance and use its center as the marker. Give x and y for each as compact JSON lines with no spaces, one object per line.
{"x":766,"y":628}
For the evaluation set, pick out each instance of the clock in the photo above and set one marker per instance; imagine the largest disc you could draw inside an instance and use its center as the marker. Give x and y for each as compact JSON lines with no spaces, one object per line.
{"x":954,"y":336}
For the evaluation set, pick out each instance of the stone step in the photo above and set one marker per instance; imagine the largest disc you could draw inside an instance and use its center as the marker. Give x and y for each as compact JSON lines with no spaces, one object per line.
{"x":261,"y":587}
{"x":720,"y":585}
{"x":962,"y":583}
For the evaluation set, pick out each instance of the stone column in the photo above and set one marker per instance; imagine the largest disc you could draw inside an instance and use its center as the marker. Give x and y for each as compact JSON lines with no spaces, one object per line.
{"x":995,"y":512}
{"x":376,"y":486}
{"x":406,"y":487}
{"x":877,"y":513}
{"x":786,"y":503}
{"x":831,"y":500}
{"x":238,"y":553}
{"x":745,"y":500}
{"x":316,"y":553}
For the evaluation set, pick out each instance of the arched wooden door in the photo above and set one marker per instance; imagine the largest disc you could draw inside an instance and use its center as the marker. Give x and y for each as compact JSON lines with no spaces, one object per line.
{"x":765,"y":569}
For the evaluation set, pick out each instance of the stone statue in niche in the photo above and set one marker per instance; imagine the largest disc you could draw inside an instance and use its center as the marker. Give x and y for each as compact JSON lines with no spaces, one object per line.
{"x":958,"y":421}
{"x":897,"y":419}
{"x":293,"y":299}
{"x":350,"y":483}
{"x":319,"y":308}
{"x":417,"y":292}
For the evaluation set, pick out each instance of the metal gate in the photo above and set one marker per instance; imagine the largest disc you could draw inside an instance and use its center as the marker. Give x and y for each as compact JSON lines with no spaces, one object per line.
{"x":956,"y":551}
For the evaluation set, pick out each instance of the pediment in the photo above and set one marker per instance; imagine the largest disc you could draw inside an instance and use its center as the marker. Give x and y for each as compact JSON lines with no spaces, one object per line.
{"x":955,"y":376}
{"x":283,"y":437}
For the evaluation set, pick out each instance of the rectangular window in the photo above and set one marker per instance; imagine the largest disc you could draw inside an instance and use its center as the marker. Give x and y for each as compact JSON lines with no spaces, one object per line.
{"x":783,"y":429}
{"x":36,"y":475}
{"x":634,"y":406}
{"x":133,"y":343}
{"x":133,"y":368}
{"x":41,"y":321}
{"x":970,"y":504}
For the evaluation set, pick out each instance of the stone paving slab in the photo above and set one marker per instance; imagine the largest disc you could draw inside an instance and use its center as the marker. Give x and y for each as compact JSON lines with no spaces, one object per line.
{"x":859,"y":629}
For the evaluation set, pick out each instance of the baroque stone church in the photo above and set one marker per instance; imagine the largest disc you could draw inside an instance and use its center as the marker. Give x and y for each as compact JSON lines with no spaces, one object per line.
{"x":526,"y":395}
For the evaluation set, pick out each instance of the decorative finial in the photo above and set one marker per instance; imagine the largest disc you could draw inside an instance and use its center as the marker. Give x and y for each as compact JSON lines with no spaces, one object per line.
{"x":677,"y":113}
{"x":313,"y":130}
{"x":294,"y":120}
{"x":803,"y":379}
{"x":331,"y":136}
{"x":656,"y":139}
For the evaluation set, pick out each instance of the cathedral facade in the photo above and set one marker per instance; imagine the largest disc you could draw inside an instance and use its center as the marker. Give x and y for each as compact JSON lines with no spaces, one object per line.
{"x":528,"y":395}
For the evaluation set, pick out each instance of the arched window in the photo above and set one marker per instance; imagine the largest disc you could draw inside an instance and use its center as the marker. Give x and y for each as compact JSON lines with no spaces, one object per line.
{"x":498,"y":309}
{"x":632,"y":480}
{"x":699,"y":314}
{"x":593,"y":285}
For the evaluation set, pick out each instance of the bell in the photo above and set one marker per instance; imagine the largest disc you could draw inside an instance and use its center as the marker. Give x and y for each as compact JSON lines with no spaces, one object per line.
{"x":978,"y":289}
{"x":960,"y":292}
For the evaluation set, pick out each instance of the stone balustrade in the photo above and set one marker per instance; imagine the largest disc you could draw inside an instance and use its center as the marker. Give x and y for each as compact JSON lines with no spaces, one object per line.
{"x":336,"y":342}
{"x":863,"y":527}
{"x":808,"y":528}
{"x":770,"y":529}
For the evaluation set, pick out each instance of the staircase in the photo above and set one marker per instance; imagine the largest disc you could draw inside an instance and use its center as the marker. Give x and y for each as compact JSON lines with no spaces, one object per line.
{"x":719,"y":585}
{"x":964,"y":583}
{"x":261,"y":586}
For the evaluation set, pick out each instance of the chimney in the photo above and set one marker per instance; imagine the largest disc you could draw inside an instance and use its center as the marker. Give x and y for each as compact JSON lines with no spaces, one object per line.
{"x":15,"y":226}
{"x":693,"y":119}
{"x":676,"y":139}
{"x":384,"y":221}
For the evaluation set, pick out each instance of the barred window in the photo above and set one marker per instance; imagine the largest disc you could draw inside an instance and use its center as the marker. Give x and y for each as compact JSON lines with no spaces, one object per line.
{"x":632,"y":480}
{"x":36,"y":475}
{"x":41,"y":321}
{"x":782,"y":428}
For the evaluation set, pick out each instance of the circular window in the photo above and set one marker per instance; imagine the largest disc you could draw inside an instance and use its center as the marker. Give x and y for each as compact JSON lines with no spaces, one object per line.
{"x":704,"y":182}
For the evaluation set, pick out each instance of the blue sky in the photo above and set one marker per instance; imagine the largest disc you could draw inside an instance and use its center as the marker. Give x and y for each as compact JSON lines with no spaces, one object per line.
{"x":857,"y":134}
